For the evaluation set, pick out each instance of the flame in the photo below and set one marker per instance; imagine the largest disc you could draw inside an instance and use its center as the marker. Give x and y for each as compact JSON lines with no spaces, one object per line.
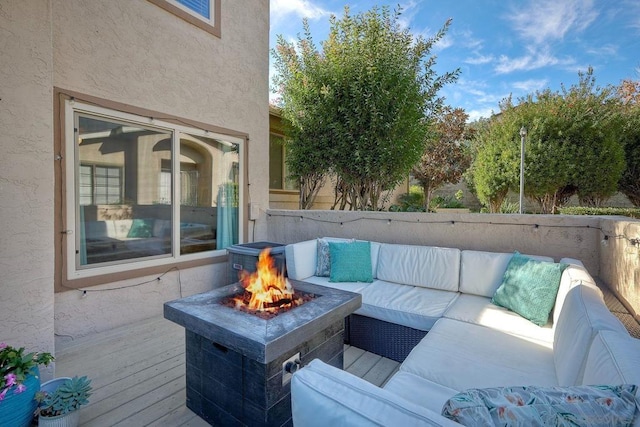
{"x":267,"y":286}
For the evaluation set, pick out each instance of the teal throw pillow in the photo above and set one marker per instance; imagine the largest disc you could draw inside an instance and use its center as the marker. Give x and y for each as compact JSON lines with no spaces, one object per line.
{"x":141,"y":228}
{"x":350,"y":262}
{"x":529,"y":287}
{"x":598,"y":405}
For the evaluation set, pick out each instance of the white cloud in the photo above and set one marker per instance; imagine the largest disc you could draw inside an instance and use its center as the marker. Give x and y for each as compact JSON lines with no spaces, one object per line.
{"x":444,"y":43}
{"x":531,"y":61}
{"x":530,"y":85}
{"x":479,"y":113}
{"x":409,"y":10}
{"x":479,"y":59}
{"x":605,"y":50}
{"x":547,"y":20}
{"x":282,"y":9}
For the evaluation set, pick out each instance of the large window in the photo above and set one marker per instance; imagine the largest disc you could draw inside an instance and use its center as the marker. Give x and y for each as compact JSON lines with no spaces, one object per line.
{"x":142,"y":192}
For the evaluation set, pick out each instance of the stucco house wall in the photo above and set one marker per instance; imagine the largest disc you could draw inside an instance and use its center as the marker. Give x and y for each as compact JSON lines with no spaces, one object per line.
{"x":26,"y":175}
{"x":134,"y":53}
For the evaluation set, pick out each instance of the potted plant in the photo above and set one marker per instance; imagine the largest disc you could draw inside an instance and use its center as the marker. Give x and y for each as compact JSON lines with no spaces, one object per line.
{"x":59,"y":408}
{"x":19,"y":382}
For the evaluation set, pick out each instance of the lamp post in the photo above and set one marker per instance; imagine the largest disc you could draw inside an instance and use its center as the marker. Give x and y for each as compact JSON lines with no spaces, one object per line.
{"x":523,"y":134}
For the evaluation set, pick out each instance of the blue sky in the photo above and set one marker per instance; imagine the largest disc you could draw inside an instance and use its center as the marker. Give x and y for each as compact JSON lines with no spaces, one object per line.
{"x":502,"y":47}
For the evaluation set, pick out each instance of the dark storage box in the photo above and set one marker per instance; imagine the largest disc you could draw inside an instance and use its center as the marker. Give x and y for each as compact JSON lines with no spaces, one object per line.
{"x":245,"y":256}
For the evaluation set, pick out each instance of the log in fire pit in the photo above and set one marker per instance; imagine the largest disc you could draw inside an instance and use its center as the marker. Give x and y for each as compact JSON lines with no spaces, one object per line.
{"x":239,"y":360}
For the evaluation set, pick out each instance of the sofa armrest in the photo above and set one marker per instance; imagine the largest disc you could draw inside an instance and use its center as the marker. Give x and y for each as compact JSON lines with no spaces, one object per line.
{"x":322,"y":395}
{"x":301,"y":259}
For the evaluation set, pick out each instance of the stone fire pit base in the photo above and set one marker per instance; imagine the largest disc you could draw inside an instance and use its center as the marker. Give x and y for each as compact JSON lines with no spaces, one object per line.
{"x":236,"y":362}
{"x":226,"y":388}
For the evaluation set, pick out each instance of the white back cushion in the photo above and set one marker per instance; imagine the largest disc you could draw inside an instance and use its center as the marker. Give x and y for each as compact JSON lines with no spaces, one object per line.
{"x":481,"y":272}
{"x":572,"y":276}
{"x":583,"y":315}
{"x":614,"y":358}
{"x":426,"y":266}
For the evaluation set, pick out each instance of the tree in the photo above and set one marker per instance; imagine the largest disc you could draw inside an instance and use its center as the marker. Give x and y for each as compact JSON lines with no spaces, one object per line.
{"x":358,"y":107}
{"x":629,"y":93}
{"x":446,"y":156}
{"x":308,"y":139}
{"x":495,"y":165}
{"x":571,"y":139}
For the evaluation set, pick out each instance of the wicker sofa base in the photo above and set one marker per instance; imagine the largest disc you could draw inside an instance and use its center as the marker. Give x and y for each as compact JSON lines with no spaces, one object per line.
{"x":383,"y":338}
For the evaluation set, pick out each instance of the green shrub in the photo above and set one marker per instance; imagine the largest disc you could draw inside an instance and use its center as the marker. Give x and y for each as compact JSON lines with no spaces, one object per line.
{"x":584,"y":210}
{"x":445,"y":202}
{"x":413,"y":201}
{"x":506,"y":207}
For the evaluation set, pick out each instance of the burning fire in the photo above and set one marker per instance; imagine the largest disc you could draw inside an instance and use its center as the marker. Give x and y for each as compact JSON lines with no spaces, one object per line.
{"x":267,"y":289}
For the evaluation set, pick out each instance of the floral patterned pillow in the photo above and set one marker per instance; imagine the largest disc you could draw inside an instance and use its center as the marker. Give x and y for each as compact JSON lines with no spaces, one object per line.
{"x":544,"y":406}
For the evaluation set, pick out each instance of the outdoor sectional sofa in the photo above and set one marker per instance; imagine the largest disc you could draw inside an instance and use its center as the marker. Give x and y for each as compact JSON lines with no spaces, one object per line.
{"x":438,"y":303}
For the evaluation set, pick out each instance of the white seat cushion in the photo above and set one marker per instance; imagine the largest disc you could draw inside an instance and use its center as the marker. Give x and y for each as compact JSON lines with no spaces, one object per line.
{"x":426,"y":266}
{"x":410,"y":306}
{"x":480,"y":311}
{"x":345,"y":286}
{"x":420,"y":391}
{"x":461,"y":355}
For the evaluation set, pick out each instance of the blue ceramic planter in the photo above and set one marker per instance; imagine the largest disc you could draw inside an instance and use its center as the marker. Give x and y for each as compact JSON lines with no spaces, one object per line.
{"x":17,"y":408}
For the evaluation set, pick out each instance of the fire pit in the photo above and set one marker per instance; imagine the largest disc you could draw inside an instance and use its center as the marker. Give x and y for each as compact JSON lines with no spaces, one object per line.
{"x":239,"y":362}
{"x":267,"y":292}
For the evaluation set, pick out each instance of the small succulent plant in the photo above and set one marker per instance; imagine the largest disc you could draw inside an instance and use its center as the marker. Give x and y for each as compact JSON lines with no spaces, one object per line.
{"x":70,"y":396}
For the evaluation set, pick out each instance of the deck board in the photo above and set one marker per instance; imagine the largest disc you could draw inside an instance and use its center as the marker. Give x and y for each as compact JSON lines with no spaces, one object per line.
{"x":138,"y":374}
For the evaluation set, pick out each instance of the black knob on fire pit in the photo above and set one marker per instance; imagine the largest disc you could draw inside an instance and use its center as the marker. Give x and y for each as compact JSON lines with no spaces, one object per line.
{"x":292,"y":367}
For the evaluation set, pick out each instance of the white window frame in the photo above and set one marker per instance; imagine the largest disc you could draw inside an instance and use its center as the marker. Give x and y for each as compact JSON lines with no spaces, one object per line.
{"x":72,"y":214}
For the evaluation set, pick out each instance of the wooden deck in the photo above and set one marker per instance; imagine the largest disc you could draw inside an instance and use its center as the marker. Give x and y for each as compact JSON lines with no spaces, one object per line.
{"x":138,"y":371}
{"x":138,"y":374}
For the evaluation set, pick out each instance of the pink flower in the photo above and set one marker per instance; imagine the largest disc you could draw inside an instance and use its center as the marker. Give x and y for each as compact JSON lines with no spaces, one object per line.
{"x":3,"y":394}
{"x":21,"y":388}
{"x":3,"y":345}
{"x":11,"y":379}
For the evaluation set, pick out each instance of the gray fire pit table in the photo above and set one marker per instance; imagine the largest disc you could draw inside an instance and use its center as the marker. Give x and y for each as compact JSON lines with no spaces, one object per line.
{"x":239,"y":366}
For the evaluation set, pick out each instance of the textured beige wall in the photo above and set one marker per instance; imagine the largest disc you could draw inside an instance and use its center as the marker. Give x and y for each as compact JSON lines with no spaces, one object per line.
{"x":138,"y":54}
{"x":557,"y":236}
{"x":26,"y":175}
{"x":135,"y":53}
{"x":102,"y":309}
{"x":620,"y":260}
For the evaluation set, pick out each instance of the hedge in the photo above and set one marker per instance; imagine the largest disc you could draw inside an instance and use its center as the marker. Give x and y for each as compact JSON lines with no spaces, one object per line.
{"x":582,"y":210}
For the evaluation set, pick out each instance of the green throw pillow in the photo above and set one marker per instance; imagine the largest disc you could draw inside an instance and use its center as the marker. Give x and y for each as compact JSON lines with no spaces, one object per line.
{"x":529,"y":287}
{"x":141,"y":228}
{"x":350,"y":262}
{"x":598,"y":405}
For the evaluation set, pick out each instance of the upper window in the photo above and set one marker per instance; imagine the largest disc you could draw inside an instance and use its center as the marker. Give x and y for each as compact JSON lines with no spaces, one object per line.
{"x":278,"y":172}
{"x":202,"y":13}
{"x":142,"y":192}
{"x":201,"y":7}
